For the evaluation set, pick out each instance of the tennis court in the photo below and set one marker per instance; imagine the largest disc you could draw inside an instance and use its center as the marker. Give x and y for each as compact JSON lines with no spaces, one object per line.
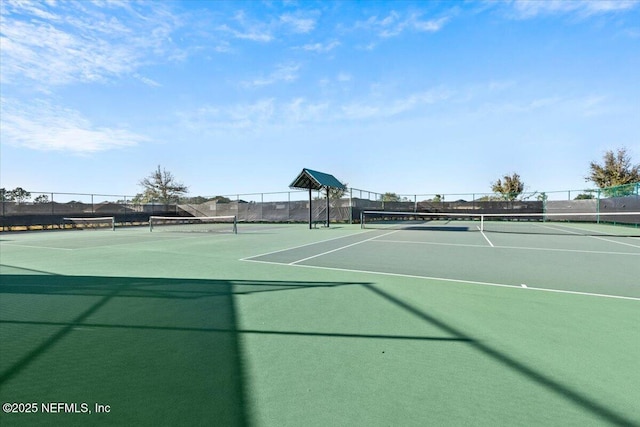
{"x":278,"y":325}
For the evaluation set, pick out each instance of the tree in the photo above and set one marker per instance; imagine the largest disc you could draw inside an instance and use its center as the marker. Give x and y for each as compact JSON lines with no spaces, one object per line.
{"x":161,"y":186}
{"x":139,"y":199}
{"x":488,"y":198}
{"x":220,"y":199}
{"x":19,"y":195}
{"x":197,"y":200}
{"x":4,"y":194}
{"x":615,"y":170}
{"x":338,"y":193}
{"x":390,"y":197}
{"x":41,"y":199}
{"x":510,"y":186}
{"x":588,"y":195}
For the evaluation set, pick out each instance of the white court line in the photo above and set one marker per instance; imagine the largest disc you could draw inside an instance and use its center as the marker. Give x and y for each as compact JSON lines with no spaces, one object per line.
{"x":485,"y":237}
{"x":302,"y":246}
{"x":141,"y":242}
{"x":593,"y":237}
{"x":443,"y":279}
{"x":558,"y":228}
{"x":341,"y":248}
{"x":524,"y":248}
{"x":37,"y":247}
{"x":615,"y":241}
{"x":101,"y":246}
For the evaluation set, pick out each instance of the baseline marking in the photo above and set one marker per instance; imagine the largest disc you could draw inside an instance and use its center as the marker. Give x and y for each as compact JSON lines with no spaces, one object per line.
{"x":444,"y":279}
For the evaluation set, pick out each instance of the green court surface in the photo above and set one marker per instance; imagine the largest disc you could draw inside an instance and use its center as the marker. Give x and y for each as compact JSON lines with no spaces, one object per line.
{"x":280,"y":325}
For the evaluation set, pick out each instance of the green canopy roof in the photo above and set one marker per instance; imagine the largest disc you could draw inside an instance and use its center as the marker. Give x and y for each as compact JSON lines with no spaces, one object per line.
{"x":310,"y":179}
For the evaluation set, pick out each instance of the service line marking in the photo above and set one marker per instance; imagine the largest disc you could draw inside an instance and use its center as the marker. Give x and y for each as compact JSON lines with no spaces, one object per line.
{"x":300,"y":246}
{"x":341,"y":248}
{"x":521,"y":248}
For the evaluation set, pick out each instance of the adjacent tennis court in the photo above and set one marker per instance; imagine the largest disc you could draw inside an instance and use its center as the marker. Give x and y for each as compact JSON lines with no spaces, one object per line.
{"x":409,"y":321}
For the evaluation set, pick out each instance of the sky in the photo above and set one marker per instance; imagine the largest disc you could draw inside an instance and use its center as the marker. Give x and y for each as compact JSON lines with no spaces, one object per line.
{"x":408,"y":97}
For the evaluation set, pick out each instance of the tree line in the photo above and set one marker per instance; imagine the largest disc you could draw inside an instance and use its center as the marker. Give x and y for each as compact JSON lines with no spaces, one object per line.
{"x":615,"y":170}
{"x":160,"y":186}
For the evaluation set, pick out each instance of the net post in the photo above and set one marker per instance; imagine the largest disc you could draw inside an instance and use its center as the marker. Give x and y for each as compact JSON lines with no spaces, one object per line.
{"x":113,"y":223}
{"x":482,"y":223}
{"x":150,"y":224}
{"x":235,"y":224}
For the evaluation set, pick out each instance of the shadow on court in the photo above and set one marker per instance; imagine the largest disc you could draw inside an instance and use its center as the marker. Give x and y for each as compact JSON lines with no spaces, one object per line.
{"x":157,"y":351}
{"x":163,"y":351}
{"x":540,"y":378}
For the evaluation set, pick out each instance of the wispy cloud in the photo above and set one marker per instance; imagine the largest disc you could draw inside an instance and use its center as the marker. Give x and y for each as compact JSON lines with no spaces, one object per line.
{"x":321,"y":47}
{"x":283,"y":73}
{"x":584,"y":106}
{"x":43,"y":126}
{"x":387,"y":108}
{"x":526,"y":9}
{"x":62,"y":43}
{"x":395,"y":23}
{"x":298,"y":24}
{"x":146,"y":80}
{"x":301,"y":111}
{"x":431,"y":25}
{"x":248,"y":116}
{"x":266,"y":29}
{"x":246,"y":28}
{"x":491,"y":99}
{"x":344,"y":77}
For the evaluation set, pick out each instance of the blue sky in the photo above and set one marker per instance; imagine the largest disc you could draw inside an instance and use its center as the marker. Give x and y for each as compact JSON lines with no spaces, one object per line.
{"x":238,"y":97}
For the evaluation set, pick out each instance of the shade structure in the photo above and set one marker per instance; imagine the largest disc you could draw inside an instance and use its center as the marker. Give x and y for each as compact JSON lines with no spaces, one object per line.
{"x":313,"y":180}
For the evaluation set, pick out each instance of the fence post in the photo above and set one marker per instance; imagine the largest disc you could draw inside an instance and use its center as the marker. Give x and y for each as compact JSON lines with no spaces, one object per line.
{"x":350,"y":205}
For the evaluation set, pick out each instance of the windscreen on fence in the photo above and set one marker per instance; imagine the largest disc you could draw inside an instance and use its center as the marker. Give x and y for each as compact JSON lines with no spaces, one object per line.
{"x":48,"y":210}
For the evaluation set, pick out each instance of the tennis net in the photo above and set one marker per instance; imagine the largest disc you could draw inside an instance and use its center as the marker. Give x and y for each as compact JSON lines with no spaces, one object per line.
{"x":90,"y":223}
{"x":596,"y":224}
{"x":204,"y":224}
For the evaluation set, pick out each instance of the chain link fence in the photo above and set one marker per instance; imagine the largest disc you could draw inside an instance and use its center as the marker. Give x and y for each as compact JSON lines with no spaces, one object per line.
{"x":47,"y":210}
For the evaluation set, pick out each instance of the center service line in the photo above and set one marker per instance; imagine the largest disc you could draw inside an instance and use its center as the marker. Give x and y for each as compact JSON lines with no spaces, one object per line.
{"x":485,"y":237}
{"x":341,"y":248}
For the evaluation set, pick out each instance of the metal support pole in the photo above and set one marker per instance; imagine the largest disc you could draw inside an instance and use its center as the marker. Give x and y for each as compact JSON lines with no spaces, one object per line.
{"x":351,"y":206}
{"x":328,"y":214}
{"x":310,"y":211}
